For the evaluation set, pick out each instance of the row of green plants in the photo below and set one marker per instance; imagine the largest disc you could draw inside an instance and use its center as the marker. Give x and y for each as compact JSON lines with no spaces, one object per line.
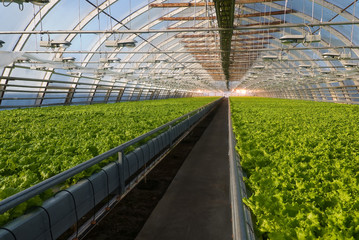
{"x":302,"y":165}
{"x":38,"y":143}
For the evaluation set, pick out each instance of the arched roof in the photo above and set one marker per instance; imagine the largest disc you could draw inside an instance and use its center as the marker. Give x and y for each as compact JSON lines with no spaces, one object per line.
{"x":58,"y":49}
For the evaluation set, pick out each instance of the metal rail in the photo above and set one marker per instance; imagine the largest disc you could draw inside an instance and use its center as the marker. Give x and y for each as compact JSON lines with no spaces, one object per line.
{"x":136,"y":31}
{"x":242,"y":226}
{"x":292,"y":25}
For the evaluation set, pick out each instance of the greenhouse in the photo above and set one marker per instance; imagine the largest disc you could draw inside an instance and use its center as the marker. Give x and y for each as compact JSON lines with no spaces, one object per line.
{"x":202,"y":119}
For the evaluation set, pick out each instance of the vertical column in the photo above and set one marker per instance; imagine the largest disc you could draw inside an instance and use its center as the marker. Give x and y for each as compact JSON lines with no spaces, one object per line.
{"x":168,"y":94}
{"x":332,"y":92}
{"x":308,"y":93}
{"x":345,"y":92}
{"x":321,"y":93}
{"x":151,"y":93}
{"x":157,"y":94}
{"x":69,"y":96}
{"x":71,"y":92}
{"x":302,"y":92}
{"x":92,"y":94}
{"x":119,"y":96}
{"x":42,"y":90}
{"x":145,"y":94}
{"x":108,"y":94}
{"x":6,"y":72}
{"x":2,"y":91}
{"x":313,"y":90}
{"x":131,"y":92}
{"x":356,"y":84}
{"x":139,"y":95}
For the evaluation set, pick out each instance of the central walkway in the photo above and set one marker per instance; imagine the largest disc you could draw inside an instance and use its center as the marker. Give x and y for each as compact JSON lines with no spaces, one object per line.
{"x":197,"y":203}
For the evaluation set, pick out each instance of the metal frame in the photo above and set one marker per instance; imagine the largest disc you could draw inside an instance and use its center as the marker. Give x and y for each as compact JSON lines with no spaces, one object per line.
{"x":187,"y":59}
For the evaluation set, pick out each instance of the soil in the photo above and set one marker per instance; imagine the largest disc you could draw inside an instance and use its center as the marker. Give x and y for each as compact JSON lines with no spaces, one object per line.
{"x":126,"y":220}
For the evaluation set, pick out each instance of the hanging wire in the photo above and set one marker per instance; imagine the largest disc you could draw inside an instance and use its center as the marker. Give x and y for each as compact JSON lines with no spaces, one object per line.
{"x":207,"y":14}
{"x":93,"y":201}
{"x":268,"y":32}
{"x":40,"y":18}
{"x":80,"y":35}
{"x":110,"y":13}
{"x":107,"y":188}
{"x":290,"y":15}
{"x":285,"y":13}
{"x":312,"y":10}
{"x":148,"y":14}
{"x":352,"y":32}
{"x":75,"y":209}
{"x":194,"y":22}
{"x":49,"y":219}
{"x":321,"y":18}
{"x":262,"y":19}
{"x":130,"y":15}
{"x":99,"y":25}
{"x":34,"y":19}
{"x":136,"y":34}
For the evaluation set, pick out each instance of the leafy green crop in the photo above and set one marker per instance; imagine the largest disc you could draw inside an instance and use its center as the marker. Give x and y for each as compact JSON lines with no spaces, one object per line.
{"x":302,"y":161}
{"x":38,"y":143}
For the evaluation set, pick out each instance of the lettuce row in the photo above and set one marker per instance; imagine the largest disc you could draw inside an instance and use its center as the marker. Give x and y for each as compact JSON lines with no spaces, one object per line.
{"x":38,"y":143}
{"x":302,"y":162}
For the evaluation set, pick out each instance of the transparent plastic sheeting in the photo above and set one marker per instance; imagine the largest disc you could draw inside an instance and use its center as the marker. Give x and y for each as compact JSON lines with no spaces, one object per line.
{"x":7,"y":58}
{"x":85,"y":15}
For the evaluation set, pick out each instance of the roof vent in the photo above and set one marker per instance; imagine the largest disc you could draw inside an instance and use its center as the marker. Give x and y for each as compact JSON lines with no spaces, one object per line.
{"x":283,"y":58}
{"x":325,"y":71}
{"x":312,"y":38}
{"x":38,"y":2}
{"x":143,"y":68}
{"x":40,"y":68}
{"x":74,"y":74}
{"x":161,"y":60}
{"x":65,"y":59}
{"x":269,"y":57}
{"x":331,"y":55}
{"x":109,"y":60}
{"x":178,"y":68}
{"x":121,"y":43}
{"x":350,"y":65}
{"x":258,"y":67}
{"x":105,"y":68}
{"x":305,"y":66}
{"x":70,"y":68}
{"x":23,"y":60}
{"x":55,"y":44}
{"x":306,"y":75}
{"x":68,"y":59}
{"x":288,"y":39}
